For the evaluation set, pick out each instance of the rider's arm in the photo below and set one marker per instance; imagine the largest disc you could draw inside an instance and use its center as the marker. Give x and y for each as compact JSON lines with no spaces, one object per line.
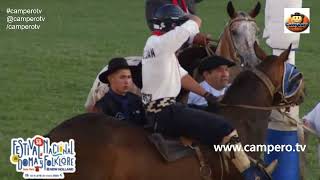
{"x":174,"y":39}
{"x":195,"y":19}
{"x":198,"y":21}
{"x":192,"y":85}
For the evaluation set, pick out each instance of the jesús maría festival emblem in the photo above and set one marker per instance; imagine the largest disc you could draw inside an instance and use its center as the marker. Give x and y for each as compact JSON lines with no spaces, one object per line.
{"x":37,"y":158}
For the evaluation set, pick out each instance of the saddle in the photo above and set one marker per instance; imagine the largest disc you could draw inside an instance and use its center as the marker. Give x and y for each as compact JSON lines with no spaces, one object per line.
{"x":174,"y":149}
{"x":171,"y":149}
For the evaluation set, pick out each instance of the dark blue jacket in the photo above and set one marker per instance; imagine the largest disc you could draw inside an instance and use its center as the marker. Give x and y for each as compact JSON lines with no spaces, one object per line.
{"x":128,"y":107}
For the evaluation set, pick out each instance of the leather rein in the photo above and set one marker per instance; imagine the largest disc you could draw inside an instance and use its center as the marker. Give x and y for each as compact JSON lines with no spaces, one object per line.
{"x":271,"y":88}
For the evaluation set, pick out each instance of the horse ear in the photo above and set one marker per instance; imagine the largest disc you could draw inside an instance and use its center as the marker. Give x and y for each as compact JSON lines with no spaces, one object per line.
{"x":259,"y":52}
{"x":254,"y":12}
{"x":285,"y":54}
{"x":231,"y":11}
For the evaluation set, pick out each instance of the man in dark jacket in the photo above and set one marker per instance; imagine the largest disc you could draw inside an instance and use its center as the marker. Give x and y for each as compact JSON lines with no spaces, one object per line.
{"x":118,"y":101}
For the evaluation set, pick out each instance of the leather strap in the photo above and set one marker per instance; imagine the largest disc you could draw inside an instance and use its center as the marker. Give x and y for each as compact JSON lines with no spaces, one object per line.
{"x":265,"y":79}
{"x":205,"y":169}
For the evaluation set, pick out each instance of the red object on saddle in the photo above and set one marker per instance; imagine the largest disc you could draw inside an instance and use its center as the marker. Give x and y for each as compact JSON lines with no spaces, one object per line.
{"x":183,"y":3}
{"x":157,"y":33}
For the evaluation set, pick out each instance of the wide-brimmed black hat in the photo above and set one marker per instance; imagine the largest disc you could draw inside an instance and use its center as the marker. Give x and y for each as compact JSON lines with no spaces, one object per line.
{"x":114,"y":65}
{"x":212,"y":62}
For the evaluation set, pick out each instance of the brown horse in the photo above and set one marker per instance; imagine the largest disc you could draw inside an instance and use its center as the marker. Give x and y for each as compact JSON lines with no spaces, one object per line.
{"x":108,"y":149}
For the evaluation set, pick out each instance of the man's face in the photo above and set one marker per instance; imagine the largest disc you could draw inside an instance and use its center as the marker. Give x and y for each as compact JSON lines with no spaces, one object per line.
{"x":218,"y":78}
{"x":120,"y":81}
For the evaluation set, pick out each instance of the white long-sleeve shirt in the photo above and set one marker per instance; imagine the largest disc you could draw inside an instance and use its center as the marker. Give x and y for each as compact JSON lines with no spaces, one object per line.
{"x":161,"y":71}
{"x":313,"y":118}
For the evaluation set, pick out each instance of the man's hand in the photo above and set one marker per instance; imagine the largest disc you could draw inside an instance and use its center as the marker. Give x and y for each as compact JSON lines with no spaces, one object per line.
{"x":211,"y":99}
{"x":195,"y":18}
{"x":201,"y":39}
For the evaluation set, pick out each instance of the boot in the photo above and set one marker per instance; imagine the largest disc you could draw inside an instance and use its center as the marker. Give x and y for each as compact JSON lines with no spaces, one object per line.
{"x":249,"y":168}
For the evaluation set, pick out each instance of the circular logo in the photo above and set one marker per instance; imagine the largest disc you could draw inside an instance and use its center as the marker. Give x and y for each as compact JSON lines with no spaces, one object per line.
{"x":38,"y":141}
{"x":297,"y":22}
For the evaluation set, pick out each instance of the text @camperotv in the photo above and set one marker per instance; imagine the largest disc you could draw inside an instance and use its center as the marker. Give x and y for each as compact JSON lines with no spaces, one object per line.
{"x":11,"y":19}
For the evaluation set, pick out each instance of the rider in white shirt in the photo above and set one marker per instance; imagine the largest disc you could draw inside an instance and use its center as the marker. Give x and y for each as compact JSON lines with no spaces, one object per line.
{"x":162,"y":79}
{"x":215,"y":71}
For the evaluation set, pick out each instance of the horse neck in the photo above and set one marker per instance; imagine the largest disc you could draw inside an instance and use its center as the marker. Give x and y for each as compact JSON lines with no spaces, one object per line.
{"x":250,"y":123}
{"x":248,"y":89}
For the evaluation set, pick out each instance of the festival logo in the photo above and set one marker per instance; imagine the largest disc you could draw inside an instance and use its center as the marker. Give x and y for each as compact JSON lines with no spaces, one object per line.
{"x":37,"y":158}
{"x":296,"y":20}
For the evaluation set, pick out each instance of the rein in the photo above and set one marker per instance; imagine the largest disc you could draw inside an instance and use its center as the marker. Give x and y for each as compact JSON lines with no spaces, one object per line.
{"x":266,"y":81}
{"x":266,"y":108}
{"x":272,"y":89}
{"x":209,"y":50}
{"x":297,"y":122}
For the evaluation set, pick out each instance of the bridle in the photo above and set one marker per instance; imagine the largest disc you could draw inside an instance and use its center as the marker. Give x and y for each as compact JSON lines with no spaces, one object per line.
{"x":266,"y":81}
{"x":271,"y":89}
{"x":236,"y":51}
{"x":236,"y":54}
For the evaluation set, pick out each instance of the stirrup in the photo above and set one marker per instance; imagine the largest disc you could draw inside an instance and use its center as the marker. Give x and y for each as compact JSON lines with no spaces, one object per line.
{"x":267,"y":169}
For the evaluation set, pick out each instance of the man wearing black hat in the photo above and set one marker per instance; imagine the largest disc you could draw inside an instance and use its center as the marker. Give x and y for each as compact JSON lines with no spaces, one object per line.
{"x":118,"y":101}
{"x":215,"y":71}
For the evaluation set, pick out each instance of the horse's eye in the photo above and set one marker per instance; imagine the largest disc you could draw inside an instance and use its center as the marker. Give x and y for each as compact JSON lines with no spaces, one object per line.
{"x":234,"y":32}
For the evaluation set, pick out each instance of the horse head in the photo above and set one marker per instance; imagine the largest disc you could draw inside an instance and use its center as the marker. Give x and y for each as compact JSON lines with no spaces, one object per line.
{"x":236,"y":42}
{"x":255,"y":92}
{"x":287,"y":80}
